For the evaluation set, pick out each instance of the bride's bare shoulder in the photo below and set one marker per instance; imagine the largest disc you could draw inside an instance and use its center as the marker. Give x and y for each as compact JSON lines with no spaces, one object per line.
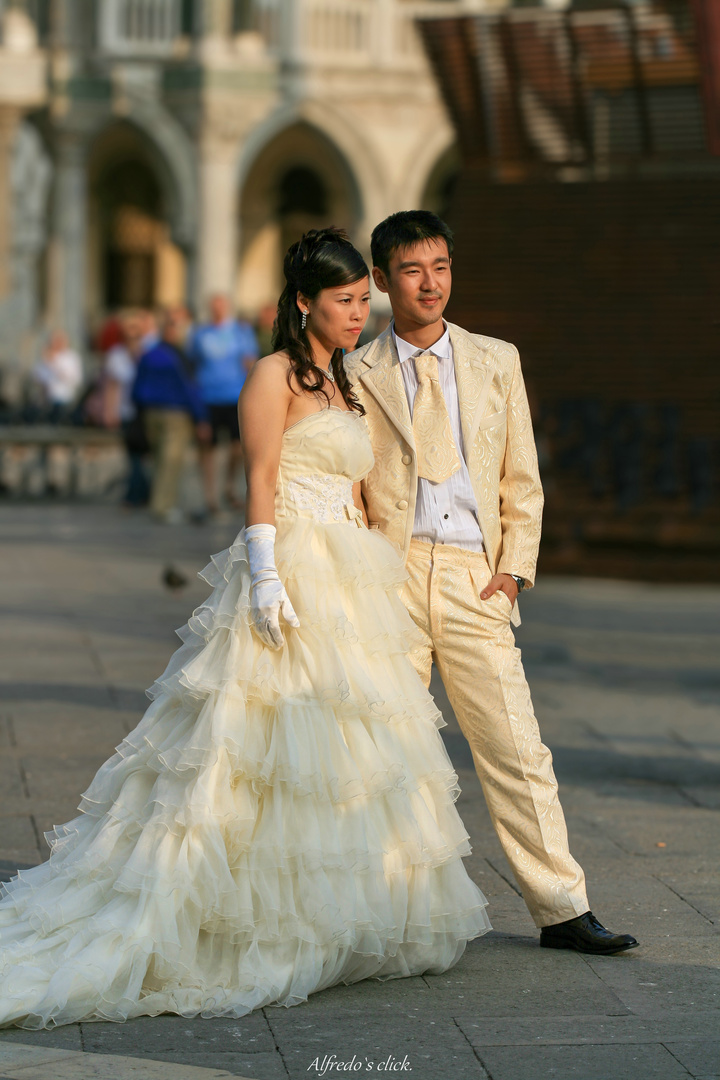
{"x":277,"y":362}
{"x":269,"y":373}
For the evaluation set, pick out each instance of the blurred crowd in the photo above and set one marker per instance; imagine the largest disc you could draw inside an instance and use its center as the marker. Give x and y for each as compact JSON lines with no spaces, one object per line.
{"x":165,"y":383}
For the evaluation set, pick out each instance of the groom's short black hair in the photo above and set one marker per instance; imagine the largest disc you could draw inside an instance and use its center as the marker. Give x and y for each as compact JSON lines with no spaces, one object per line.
{"x":404,"y":229}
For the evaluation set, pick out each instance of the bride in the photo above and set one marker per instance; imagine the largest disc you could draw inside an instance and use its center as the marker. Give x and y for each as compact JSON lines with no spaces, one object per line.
{"x":282,"y":818}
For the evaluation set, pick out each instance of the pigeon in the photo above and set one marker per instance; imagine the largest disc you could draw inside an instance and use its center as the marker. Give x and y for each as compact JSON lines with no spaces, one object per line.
{"x":172,"y":579}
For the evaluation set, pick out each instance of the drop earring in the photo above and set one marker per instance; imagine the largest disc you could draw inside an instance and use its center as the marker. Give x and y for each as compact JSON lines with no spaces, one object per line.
{"x":303,"y":324}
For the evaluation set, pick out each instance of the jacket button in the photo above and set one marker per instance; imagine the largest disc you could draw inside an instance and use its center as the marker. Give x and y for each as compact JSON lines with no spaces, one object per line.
{"x":402,"y":505}
{"x":406,"y":459}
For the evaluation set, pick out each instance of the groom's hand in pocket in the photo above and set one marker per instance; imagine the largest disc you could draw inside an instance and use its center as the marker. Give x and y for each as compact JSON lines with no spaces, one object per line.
{"x":503,"y":583}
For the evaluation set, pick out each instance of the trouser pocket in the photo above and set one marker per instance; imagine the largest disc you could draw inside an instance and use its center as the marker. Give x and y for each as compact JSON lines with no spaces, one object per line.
{"x":499,"y":603}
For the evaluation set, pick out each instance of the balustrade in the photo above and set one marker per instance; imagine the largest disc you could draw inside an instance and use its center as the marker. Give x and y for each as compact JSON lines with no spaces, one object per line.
{"x":328,"y":32}
{"x":139,"y":27}
{"x":355,"y":32}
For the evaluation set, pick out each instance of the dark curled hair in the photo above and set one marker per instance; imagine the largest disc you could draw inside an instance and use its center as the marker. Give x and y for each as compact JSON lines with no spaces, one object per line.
{"x":322,"y":259}
{"x":404,"y":229}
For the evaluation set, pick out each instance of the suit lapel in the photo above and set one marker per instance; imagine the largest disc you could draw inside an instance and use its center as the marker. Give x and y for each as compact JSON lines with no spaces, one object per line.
{"x":383,"y":380}
{"x":473,"y":372}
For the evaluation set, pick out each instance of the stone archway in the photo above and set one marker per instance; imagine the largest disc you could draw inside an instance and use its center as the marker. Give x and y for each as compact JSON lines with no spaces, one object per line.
{"x":299,"y":180}
{"x":134,"y":218}
{"x":440,"y":182}
{"x":173,"y":157}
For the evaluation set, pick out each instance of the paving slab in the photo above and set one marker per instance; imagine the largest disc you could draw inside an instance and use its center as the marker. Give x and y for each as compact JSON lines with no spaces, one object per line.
{"x":597,"y":1062}
{"x":590,"y":1030}
{"x":68,"y":1037}
{"x":649,"y":987}
{"x":150,"y":1035}
{"x":237,"y":1065}
{"x":11,"y":783}
{"x":510,"y":974}
{"x":699,"y":1058}
{"x":420,"y":1047}
{"x":18,"y":1062}
{"x":38,"y":724}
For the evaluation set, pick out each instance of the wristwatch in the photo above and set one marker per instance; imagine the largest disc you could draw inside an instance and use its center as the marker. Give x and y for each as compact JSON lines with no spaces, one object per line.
{"x":519,"y":581}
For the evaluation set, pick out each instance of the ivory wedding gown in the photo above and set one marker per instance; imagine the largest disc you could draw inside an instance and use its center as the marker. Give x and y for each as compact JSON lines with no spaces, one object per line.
{"x":278,"y":822}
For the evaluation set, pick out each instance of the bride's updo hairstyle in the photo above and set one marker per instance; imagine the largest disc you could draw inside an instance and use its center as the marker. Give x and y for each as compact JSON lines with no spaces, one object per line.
{"x":322,"y":259}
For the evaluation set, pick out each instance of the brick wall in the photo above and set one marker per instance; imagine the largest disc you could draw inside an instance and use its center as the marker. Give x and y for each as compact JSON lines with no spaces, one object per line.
{"x":611,"y":290}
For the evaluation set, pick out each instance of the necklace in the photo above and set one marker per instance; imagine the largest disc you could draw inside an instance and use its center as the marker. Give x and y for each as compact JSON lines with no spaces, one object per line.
{"x":326,"y":372}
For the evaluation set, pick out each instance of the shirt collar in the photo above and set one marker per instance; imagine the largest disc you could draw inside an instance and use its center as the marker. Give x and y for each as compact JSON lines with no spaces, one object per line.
{"x":442,"y":348}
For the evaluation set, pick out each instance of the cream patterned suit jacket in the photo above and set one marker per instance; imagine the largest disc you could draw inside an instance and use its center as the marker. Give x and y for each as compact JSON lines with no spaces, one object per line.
{"x":499,"y":446}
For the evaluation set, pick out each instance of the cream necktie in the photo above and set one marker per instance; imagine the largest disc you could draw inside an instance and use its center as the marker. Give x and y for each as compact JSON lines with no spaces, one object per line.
{"x":437,"y":454}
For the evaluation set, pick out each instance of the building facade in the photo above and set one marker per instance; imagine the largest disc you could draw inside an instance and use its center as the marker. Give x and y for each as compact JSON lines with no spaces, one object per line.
{"x":587,"y":219}
{"x":158,"y":150}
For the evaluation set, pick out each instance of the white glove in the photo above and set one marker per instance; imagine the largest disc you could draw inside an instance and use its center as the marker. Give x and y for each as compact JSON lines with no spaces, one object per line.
{"x":268,"y":599}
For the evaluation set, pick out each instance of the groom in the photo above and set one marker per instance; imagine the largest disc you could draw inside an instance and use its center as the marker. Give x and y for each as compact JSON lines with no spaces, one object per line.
{"x":455,"y":487}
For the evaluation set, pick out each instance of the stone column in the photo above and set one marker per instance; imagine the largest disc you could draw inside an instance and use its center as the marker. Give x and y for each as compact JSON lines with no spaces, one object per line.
{"x":384,"y":37}
{"x":216,"y":18}
{"x":67,"y":269}
{"x":292,"y":26}
{"x":217,"y":240}
{"x":9,"y":121}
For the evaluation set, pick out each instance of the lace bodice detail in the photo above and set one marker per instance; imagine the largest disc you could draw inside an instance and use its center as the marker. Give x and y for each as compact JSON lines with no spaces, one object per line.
{"x":322,"y":456}
{"x":325,"y":497}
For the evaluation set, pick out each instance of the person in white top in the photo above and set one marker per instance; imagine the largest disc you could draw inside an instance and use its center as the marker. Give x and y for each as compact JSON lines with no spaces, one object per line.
{"x":455,"y":486}
{"x":59,"y":376}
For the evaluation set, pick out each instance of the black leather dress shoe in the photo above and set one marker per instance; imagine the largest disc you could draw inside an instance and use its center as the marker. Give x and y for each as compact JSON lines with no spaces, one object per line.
{"x":585,"y":934}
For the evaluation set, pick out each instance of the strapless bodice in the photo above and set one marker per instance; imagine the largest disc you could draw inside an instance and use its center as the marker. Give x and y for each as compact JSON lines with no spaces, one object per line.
{"x":322,"y":456}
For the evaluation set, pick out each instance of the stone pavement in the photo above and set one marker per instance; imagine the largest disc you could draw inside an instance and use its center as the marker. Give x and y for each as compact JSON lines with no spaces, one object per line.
{"x":626,"y":682}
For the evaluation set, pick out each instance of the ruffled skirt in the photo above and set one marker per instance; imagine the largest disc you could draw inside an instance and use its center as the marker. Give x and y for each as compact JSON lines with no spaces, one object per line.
{"x":277,"y":823}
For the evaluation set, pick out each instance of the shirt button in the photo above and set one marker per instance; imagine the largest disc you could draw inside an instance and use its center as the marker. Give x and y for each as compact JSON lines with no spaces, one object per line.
{"x":446,"y":516}
{"x":402,"y":505}
{"x":406,"y":459}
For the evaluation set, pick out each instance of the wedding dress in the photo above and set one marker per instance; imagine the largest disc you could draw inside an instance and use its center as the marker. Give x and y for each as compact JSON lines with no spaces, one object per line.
{"x":279,"y":821}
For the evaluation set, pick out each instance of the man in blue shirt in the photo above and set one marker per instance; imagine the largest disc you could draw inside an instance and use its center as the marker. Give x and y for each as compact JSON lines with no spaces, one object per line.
{"x":172,"y":409}
{"x":222,"y":352}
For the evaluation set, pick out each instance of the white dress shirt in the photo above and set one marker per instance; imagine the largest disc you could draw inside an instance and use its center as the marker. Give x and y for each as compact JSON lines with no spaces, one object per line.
{"x":445,"y":513}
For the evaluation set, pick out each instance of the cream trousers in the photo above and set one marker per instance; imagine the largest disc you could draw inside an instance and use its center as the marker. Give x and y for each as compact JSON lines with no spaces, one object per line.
{"x":473,"y":647}
{"x":170,"y":433}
